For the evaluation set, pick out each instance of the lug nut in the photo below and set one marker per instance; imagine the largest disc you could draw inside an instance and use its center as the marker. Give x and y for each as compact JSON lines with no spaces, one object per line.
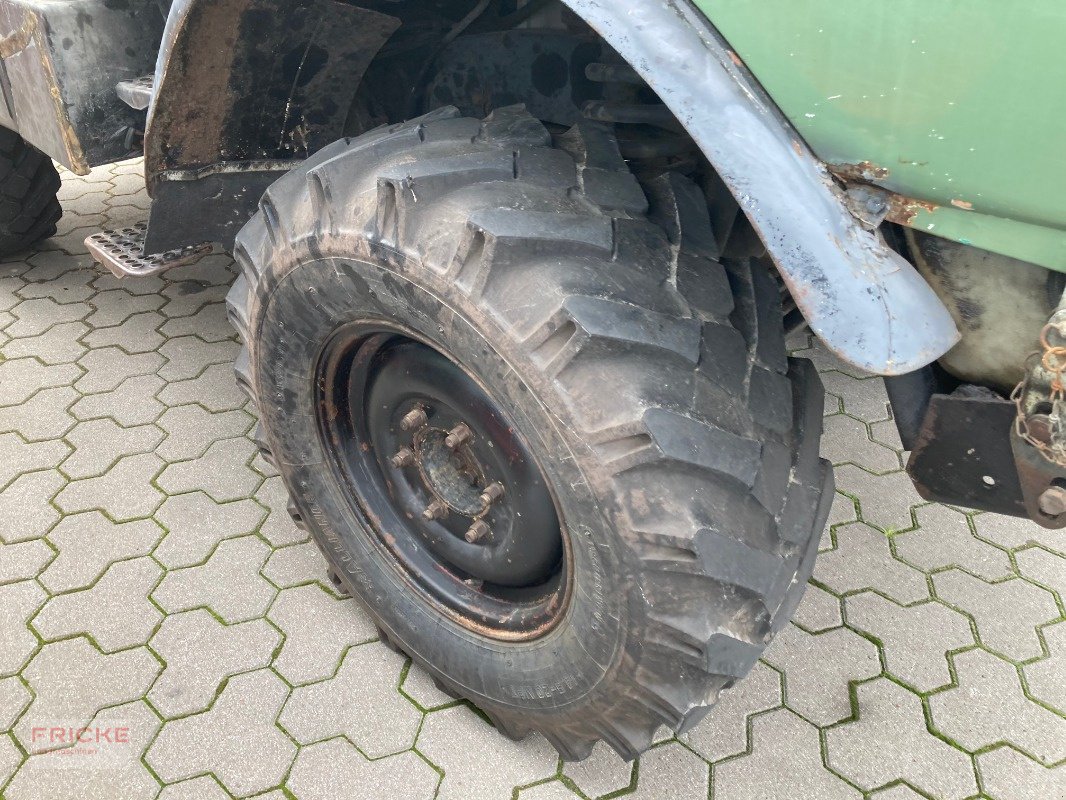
{"x":478,"y":531}
{"x":414,"y":419}
{"x":1053,"y":501}
{"x":492,"y":493}
{"x":435,"y":510}
{"x":458,"y":436}
{"x":404,"y":458}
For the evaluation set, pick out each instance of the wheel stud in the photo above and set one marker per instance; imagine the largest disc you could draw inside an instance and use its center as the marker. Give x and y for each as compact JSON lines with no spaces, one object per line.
{"x":435,"y":510}
{"x":404,"y":458}
{"x":458,"y":436}
{"x":492,"y":493}
{"x":478,"y":531}
{"x":414,"y":419}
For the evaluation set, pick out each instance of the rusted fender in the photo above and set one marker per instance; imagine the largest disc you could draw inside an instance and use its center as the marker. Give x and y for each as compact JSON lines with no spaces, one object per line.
{"x":866,"y":302}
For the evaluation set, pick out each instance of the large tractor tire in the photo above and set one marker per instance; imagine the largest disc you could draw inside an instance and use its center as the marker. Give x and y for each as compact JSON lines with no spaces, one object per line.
{"x":551,"y":442}
{"x":29,"y":183}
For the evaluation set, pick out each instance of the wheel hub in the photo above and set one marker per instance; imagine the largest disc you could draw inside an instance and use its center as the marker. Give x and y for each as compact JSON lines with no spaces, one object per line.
{"x":451,"y":487}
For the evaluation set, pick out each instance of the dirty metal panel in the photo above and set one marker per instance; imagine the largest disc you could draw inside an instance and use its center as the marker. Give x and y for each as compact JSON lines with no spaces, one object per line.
{"x":62,"y":60}
{"x":958,"y":105}
{"x":210,"y":205}
{"x":253,"y":80}
{"x":963,"y":453}
{"x":863,"y":300}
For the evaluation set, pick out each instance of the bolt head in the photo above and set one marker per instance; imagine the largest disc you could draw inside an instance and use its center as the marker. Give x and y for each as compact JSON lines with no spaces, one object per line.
{"x":404,"y":458}
{"x":414,"y":419}
{"x":458,"y":436}
{"x":492,"y":493}
{"x":1053,"y":501}
{"x":435,"y":510}
{"x":478,"y":531}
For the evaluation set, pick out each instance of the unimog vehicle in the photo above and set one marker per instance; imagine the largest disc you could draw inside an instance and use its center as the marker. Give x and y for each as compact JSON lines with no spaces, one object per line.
{"x":516,"y":278}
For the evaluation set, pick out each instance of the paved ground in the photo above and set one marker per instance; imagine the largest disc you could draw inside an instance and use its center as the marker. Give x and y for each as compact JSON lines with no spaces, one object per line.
{"x":153,"y":589}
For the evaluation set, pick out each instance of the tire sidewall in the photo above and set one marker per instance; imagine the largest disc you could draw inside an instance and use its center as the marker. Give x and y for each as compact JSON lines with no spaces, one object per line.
{"x":560,"y":671}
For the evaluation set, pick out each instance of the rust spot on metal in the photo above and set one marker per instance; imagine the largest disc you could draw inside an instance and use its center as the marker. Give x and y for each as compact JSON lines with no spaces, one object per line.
{"x":862,"y":171}
{"x":963,"y":204}
{"x":903,"y":210}
{"x":735,"y":58}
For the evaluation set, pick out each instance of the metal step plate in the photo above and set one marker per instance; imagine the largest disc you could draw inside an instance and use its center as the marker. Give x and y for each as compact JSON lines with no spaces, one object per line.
{"x":122,"y":252}
{"x":137,"y":93}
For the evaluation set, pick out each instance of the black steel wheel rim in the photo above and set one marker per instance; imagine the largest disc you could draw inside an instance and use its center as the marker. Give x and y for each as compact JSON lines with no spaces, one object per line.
{"x":444,"y":480}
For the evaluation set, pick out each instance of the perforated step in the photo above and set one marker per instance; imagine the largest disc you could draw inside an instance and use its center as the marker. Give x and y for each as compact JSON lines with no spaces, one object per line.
{"x":122,"y":252}
{"x":136,"y":93}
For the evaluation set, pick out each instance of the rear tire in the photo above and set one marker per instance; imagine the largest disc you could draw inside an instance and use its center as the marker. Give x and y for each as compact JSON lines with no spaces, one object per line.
{"x":649,"y":381}
{"x":29,"y":184}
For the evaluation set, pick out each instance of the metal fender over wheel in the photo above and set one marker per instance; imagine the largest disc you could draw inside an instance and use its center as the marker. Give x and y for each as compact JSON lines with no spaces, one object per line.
{"x":537,"y":427}
{"x":29,"y":183}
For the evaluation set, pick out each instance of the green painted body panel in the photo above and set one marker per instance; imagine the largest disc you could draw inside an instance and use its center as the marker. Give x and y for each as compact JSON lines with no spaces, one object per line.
{"x":962,"y":104}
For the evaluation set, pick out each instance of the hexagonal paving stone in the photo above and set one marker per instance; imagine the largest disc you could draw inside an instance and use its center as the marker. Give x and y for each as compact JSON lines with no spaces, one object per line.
{"x":18,"y":456}
{"x":115,"y":611}
{"x":279,"y":528}
{"x":911,"y":654}
{"x":23,"y":560}
{"x":99,"y":443}
{"x":318,"y":629}
{"x":34,"y":317}
{"x":57,"y":345}
{"x":459,"y":742}
{"x":335,"y":769}
{"x":14,"y":698}
{"x":215,"y":389}
{"x":196,"y":524}
{"x":71,"y":680}
{"x":818,"y":611}
{"x":191,"y":430}
{"x":108,"y":367}
{"x":989,"y":707}
{"x":1047,"y":677}
{"x":785,"y":760}
{"x":673,"y":771}
{"x":203,"y":788}
{"x":222,"y":472}
{"x":818,"y":669}
{"x":89,"y":542}
{"x":863,"y":560}
{"x":19,"y":602}
{"x":131,"y":403}
{"x":21,"y":378}
{"x":846,"y":441}
{"x":125,"y":491}
{"x":200,"y":652}
{"x":604,"y":772}
{"x":889,"y":741}
{"x":138,"y":333}
{"x":944,"y":540}
{"x":43,"y":416}
{"x":109,"y":769}
{"x":219,"y":740}
{"x":1008,"y":775}
{"x":229,"y":582}
{"x":188,"y":355}
{"x":342,"y":705}
{"x":724,"y":732}
{"x":1012,"y":635}
{"x":25,"y":510}
{"x":886,"y":500}
{"x":296,"y":564}
{"x":1044,"y":567}
{"x":1013,"y":533}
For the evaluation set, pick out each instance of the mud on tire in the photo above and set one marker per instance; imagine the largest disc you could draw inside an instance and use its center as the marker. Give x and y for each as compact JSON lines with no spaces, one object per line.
{"x":29,"y":183}
{"x":649,"y":377}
